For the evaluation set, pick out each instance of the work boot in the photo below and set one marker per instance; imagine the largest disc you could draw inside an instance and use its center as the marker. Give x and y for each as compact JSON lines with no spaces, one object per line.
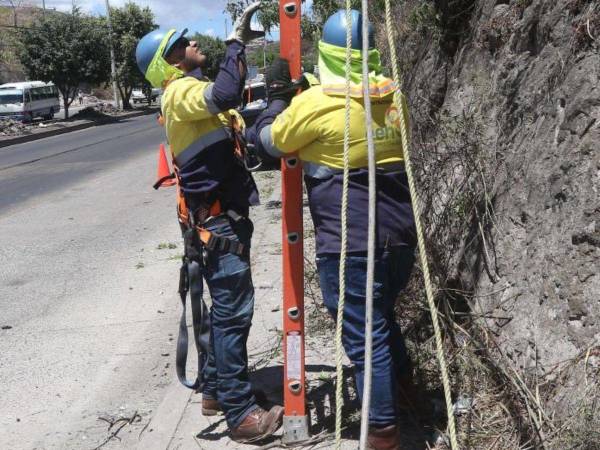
{"x":258,"y":425}
{"x":387,"y":438}
{"x":210,"y":406}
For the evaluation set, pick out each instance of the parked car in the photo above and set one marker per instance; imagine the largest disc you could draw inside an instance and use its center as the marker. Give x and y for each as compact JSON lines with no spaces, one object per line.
{"x":139,"y":96}
{"x":254,"y":100}
{"x":27,"y":100}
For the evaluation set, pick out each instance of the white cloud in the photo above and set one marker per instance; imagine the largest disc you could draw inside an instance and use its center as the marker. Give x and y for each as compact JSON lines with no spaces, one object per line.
{"x":210,"y":32}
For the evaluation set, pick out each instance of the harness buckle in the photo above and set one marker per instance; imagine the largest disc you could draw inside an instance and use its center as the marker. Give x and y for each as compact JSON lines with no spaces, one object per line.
{"x":212,"y":242}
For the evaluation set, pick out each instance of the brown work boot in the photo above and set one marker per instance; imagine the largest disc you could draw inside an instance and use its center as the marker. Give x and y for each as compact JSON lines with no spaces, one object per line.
{"x":210,"y":406}
{"x":387,"y":438}
{"x":258,"y":425}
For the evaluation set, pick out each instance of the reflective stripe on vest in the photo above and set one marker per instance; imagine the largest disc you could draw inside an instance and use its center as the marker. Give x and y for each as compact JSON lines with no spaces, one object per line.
{"x":192,"y":150}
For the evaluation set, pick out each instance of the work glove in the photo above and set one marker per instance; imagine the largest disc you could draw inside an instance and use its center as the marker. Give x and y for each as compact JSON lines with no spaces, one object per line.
{"x":241,"y":28}
{"x":279,"y":81}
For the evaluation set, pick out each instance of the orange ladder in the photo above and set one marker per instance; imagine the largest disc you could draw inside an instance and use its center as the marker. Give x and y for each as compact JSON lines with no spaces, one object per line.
{"x":296,"y":419}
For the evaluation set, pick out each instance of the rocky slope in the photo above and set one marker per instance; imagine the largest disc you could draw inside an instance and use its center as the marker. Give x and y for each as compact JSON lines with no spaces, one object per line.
{"x":505,"y":98}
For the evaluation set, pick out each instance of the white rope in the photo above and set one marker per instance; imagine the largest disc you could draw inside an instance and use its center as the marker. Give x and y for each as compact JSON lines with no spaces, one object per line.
{"x":339,"y":351}
{"x":366,"y":401}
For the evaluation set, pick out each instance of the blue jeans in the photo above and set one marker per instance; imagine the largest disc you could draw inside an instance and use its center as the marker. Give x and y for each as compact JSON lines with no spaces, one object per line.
{"x":229,"y":282}
{"x":390,"y":360}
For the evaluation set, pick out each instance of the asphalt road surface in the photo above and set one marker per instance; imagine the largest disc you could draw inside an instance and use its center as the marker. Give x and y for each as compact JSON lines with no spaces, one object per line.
{"x":88,"y":303}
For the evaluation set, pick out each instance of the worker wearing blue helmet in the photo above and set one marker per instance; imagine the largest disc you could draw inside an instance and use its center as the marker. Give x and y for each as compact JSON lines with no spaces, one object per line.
{"x":217,"y":191}
{"x":312,"y":124}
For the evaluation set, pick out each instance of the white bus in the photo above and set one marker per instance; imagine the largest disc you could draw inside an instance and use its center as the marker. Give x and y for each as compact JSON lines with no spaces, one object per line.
{"x":27,"y":100}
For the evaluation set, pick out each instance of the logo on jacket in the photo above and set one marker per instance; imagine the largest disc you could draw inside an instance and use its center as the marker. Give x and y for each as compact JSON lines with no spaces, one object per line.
{"x":392,"y":117}
{"x":391,"y":131}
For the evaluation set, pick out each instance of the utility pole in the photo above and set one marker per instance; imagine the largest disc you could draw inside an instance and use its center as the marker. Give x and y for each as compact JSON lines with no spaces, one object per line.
{"x":44,"y":9}
{"x":265,"y":54}
{"x":113,"y":66}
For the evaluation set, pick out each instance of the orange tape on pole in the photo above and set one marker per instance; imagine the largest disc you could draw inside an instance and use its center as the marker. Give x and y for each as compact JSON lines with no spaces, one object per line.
{"x":295,"y":420}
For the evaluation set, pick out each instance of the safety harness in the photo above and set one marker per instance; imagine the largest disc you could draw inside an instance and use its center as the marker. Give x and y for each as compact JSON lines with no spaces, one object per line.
{"x":249,"y":160}
{"x":198,"y":243}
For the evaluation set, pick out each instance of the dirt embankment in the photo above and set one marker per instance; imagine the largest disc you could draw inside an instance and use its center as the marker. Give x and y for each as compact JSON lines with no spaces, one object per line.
{"x":505,"y":98}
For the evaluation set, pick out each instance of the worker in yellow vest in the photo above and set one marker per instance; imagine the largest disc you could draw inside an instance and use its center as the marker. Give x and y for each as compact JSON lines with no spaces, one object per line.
{"x":217,"y":191}
{"x":312,"y":124}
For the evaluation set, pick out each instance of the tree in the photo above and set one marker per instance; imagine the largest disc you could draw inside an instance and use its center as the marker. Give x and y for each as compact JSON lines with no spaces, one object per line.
{"x":265,"y":53}
{"x":311,"y":24}
{"x":312,"y":19}
{"x":214,"y":49}
{"x":267,"y":16}
{"x":322,"y":9}
{"x":67,"y":49}
{"x":15,"y":5}
{"x":129,"y":24}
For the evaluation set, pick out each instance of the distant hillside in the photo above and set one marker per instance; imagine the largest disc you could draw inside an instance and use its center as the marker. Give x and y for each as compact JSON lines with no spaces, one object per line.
{"x":10,"y":67}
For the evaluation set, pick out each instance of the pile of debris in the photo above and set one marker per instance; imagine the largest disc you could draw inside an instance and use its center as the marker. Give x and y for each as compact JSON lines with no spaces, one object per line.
{"x":9,"y":127}
{"x":107,"y":108}
{"x":99,"y":111}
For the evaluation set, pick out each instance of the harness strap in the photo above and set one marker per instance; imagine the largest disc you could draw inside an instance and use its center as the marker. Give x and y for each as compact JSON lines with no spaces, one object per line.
{"x":160,"y":181}
{"x":222,"y":244}
{"x":197,"y":240}
{"x":189,"y":275}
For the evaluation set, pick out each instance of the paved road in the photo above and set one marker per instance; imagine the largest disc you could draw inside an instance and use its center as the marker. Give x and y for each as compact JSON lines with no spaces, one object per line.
{"x":41,"y":166}
{"x":87,"y":292}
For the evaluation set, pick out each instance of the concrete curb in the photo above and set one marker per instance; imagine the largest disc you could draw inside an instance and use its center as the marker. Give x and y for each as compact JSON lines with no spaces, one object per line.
{"x":164,"y":423}
{"x":67,"y":129}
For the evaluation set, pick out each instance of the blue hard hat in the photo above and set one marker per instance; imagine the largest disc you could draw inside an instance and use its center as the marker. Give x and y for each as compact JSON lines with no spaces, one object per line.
{"x":148,"y":45}
{"x":334,"y":30}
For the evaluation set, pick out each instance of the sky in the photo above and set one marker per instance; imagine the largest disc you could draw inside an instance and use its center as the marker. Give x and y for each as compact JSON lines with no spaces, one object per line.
{"x":204,"y":16}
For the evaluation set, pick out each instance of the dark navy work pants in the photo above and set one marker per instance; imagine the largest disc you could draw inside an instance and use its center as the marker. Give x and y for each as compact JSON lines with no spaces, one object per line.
{"x":390,"y":360}
{"x":229,"y":282}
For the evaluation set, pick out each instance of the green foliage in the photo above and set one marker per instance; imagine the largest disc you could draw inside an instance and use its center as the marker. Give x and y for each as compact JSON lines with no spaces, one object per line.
{"x":322,"y":9}
{"x":76,"y":52}
{"x":129,"y":24}
{"x":268,"y":16}
{"x":214,"y":49}
{"x":258,"y":55}
{"x":311,"y":24}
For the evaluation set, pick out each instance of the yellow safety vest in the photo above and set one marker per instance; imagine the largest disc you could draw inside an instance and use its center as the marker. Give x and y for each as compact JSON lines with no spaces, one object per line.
{"x":313,"y":125}
{"x":189,"y":124}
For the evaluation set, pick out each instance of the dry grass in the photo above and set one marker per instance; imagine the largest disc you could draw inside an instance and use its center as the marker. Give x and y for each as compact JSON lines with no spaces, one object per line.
{"x":586,"y":26}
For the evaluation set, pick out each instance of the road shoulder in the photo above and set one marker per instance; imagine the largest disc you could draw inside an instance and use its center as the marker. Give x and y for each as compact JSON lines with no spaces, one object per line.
{"x":69,"y":126}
